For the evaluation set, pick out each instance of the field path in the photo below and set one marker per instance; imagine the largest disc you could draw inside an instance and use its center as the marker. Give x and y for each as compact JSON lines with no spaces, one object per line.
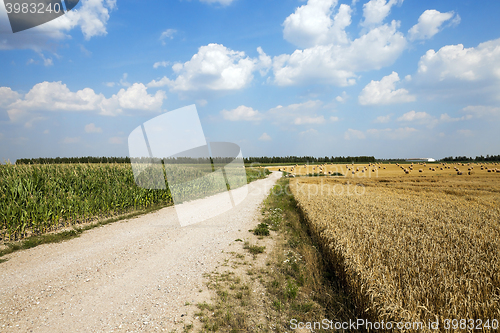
{"x":129,"y":276}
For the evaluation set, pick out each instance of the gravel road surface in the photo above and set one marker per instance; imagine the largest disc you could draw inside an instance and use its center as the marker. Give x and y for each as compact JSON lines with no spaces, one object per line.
{"x":129,"y":276}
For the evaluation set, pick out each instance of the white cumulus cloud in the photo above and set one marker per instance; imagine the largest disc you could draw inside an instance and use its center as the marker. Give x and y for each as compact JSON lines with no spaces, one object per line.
{"x":136,"y":97}
{"x":482,"y":111}
{"x":265,"y":62}
{"x":287,"y":116}
{"x":309,"y":132}
{"x":7,"y":96}
{"x":354,"y":134}
{"x":160,"y":64}
{"x":297,"y":114}
{"x":445,"y":118}
{"x":164,"y":81}
{"x":116,"y":140}
{"x":454,"y":71}
{"x":92,"y":128}
{"x":342,"y":98}
{"x":429,"y":24}
{"x":167,"y":34}
{"x":338,"y":62}
{"x":309,"y":120}
{"x":241,"y":113}
{"x":312,"y":24}
{"x":265,"y":137}
{"x":383,"y":119}
{"x":384,"y":92}
{"x":214,"y":67}
{"x":423,"y":118}
{"x":201,"y":102}
{"x":414,"y":116}
{"x":56,"y":96}
{"x":375,"y":11}
{"x":454,"y":62}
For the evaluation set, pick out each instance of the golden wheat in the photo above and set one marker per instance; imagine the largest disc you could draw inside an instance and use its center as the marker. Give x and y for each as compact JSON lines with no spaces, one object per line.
{"x":411,"y":250}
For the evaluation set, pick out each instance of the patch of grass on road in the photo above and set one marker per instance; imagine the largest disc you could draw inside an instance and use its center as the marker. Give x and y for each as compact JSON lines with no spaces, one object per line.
{"x":254,"y":173}
{"x":261,"y":230}
{"x":254,"y":249}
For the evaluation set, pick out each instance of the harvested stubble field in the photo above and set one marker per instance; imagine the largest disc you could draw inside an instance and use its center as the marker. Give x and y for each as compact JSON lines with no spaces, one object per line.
{"x":385,"y":170}
{"x":411,"y":247}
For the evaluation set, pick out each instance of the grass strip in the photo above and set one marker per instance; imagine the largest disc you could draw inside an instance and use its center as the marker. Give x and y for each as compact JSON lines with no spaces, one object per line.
{"x":294,"y":282}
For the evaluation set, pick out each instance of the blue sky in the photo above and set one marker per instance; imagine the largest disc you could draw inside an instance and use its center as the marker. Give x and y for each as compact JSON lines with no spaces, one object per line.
{"x":388,"y":78}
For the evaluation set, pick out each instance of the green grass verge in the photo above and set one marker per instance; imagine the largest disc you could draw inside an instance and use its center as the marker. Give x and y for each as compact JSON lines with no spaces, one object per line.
{"x":295,"y":282}
{"x":256,"y":173}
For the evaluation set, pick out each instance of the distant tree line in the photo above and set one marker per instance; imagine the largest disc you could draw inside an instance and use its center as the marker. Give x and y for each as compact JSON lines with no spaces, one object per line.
{"x":309,"y":159}
{"x":72,"y":160}
{"x":488,"y":158}
{"x":247,"y":160}
{"x":184,"y":160}
{"x":90,"y":159}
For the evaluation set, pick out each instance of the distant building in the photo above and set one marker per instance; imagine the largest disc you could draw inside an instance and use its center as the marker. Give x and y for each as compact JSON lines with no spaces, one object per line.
{"x":428,"y":159}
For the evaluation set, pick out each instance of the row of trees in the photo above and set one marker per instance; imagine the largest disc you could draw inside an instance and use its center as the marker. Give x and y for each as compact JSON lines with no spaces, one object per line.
{"x":309,"y":159}
{"x":72,"y":160}
{"x":90,"y":159}
{"x":248,"y":160}
{"x":488,"y":158}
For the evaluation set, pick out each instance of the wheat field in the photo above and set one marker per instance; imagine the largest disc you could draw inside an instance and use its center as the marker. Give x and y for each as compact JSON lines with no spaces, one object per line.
{"x":417,"y":246}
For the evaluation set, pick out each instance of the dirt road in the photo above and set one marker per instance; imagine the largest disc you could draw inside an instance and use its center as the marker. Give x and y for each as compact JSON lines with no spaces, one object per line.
{"x":129,"y":276}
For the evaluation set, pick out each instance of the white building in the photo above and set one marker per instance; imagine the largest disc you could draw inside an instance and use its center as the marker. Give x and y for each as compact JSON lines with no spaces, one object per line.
{"x":428,"y":159}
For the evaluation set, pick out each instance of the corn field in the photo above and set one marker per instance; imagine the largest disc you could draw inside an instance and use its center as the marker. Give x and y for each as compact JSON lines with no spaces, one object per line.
{"x":416,"y":251}
{"x":43,"y":197}
{"x":40,"y":198}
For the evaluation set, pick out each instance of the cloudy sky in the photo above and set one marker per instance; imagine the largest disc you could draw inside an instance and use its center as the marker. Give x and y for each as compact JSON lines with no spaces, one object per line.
{"x":388,"y":78}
